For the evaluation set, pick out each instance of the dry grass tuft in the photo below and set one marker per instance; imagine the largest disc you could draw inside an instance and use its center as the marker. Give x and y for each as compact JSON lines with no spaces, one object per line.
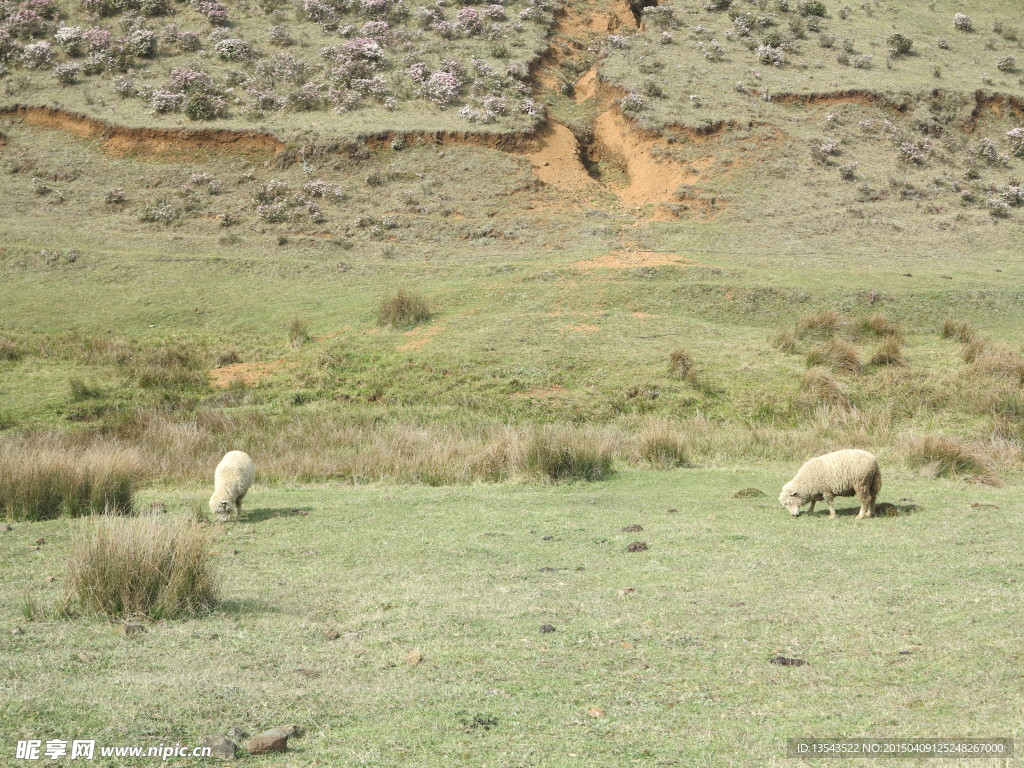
{"x":837,"y":354}
{"x":820,"y":325}
{"x":41,"y":482}
{"x":879,"y":325}
{"x":559,"y":453}
{"x":661,"y":445}
{"x":945,"y":456}
{"x":818,"y":387}
{"x":959,"y":330}
{"x":889,"y":352}
{"x":998,"y":360}
{"x":175,"y":366}
{"x":141,"y":566}
{"x":403,"y":309}
{"x":298,"y":332}
{"x":785,"y":341}
{"x":680,"y":364}
{"x":8,"y":349}
{"x":973,"y":348}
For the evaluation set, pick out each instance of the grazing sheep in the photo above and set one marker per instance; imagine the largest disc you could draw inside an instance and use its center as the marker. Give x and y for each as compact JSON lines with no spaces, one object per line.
{"x":231,"y":481}
{"x":848,"y":472}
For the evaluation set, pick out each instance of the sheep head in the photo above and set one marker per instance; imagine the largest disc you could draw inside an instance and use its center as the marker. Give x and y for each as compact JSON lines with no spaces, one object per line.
{"x":791,"y":499}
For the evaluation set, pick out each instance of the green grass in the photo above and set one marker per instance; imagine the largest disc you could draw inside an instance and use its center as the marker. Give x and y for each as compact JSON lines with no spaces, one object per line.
{"x":907,"y":623}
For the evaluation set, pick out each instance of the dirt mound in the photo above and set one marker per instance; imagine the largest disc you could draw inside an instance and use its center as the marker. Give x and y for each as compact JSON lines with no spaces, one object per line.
{"x":998,"y":104}
{"x":862,"y":97}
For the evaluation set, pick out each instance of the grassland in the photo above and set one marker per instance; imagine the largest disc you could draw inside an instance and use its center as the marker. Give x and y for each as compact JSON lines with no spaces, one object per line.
{"x":908,"y":624}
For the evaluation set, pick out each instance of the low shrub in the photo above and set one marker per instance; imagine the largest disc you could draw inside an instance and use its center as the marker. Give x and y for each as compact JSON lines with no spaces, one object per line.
{"x":879,"y":325}
{"x":818,"y":387}
{"x":298,"y":332}
{"x":680,"y":364}
{"x":141,"y":566}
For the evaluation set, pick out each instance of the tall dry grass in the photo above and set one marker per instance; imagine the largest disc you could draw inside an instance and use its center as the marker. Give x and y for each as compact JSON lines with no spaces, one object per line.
{"x":555,"y":452}
{"x":948,"y":456}
{"x":403,"y":308}
{"x":41,"y":478}
{"x":140,"y":566}
{"x":819,"y":325}
{"x":839,"y":355}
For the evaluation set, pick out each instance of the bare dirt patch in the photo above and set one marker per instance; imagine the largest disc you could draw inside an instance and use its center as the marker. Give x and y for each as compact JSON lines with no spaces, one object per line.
{"x":244,"y":373}
{"x":634,"y":259}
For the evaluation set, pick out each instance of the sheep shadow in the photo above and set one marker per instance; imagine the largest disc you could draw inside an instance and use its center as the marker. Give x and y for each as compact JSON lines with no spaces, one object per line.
{"x":270,"y":513}
{"x":882,"y":509}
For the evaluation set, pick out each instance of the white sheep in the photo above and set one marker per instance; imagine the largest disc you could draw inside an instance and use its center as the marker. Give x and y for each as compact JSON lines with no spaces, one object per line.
{"x":231,"y":481}
{"x":848,"y":472}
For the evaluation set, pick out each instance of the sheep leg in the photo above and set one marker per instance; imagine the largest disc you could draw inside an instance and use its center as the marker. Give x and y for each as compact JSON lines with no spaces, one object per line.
{"x":811,"y":510}
{"x":830,"y":500}
{"x":238,"y":511}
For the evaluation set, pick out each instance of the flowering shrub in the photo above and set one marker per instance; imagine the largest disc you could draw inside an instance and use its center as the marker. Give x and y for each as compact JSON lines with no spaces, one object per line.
{"x":70,"y":39}
{"x":280,"y":35}
{"x":125,"y":87}
{"x":442,"y":88}
{"x":162,"y":100}
{"x":1016,"y":137}
{"x":97,"y":39}
{"x":233,"y":49}
{"x":631,"y":103}
{"x":140,"y":42}
{"x":67,"y":73}
{"x":771,"y":55}
{"x":27,"y":24}
{"x":9,"y":47}
{"x":963,"y":22}
{"x":37,"y":55}
{"x":215,"y":13}
{"x":811,"y":8}
{"x":712,"y":50}
{"x":305,"y":99}
{"x":1007,"y":64}
{"x":469,"y":20}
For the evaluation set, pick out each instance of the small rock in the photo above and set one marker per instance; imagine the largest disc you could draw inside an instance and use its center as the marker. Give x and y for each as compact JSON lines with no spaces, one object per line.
{"x":672,"y":511}
{"x":886,"y":509}
{"x":982,"y":505}
{"x":7,"y":527}
{"x":17,"y":631}
{"x":312,"y":674}
{"x":129,"y":630}
{"x":637,"y":546}
{"x":85,"y":658}
{"x":332,"y":634}
{"x":634,"y":528}
{"x":415,"y":657}
{"x":548,"y":538}
{"x":273,"y":740}
{"x":595,"y":712}
{"x":547,"y":629}
{"x":628,"y":645}
{"x":784,"y":661}
{"x":905,"y":653}
{"x":50,"y":579}
{"x":353,"y":635}
{"x":40,"y":542}
{"x":627,"y":591}
{"x":748,"y":493}
{"x":220,"y":746}
{"x":236,"y":734}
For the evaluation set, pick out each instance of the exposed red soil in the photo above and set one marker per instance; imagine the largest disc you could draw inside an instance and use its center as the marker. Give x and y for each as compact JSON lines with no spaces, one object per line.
{"x":154,"y":141}
{"x":244,"y":373}
{"x":419,"y":338}
{"x":626,"y":259}
{"x":999,"y":104}
{"x":862,"y":97}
